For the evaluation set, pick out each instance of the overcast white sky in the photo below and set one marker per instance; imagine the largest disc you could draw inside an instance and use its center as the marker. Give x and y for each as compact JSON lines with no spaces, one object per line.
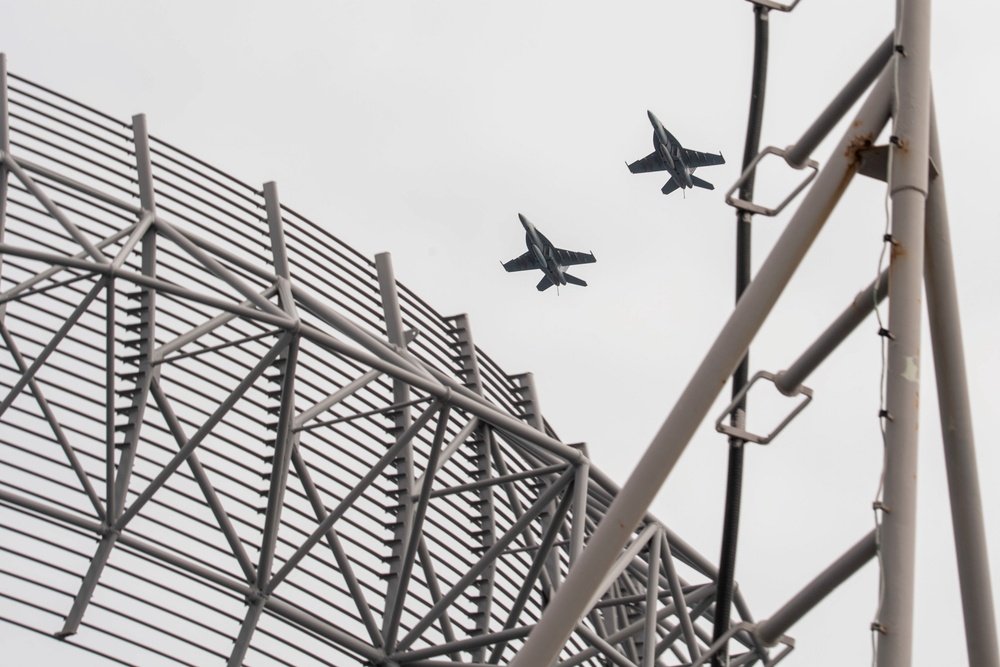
{"x":422,"y":129}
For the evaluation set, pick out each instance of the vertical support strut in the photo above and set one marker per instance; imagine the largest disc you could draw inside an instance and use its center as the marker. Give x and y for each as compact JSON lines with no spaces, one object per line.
{"x":956,"y":426}
{"x":532,"y":413}
{"x":652,"y":597}
{"x":525,"y":388}
{"x":136,"y":398}
{"x":4,"y":149}
{"x":403,"y":509}
{"x":908,"y":189}
{"x":146,"y":329}
{"x":481,"y":440}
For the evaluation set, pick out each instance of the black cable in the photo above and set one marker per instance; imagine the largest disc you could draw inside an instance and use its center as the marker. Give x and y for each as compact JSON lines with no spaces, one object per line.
{"x":734,"y":484}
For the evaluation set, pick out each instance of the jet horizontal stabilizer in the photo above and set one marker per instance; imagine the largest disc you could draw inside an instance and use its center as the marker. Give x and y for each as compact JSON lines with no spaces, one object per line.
{"x":670,"y":186}
{"x":544,"y":284}
{"x":574,"y":280}
{"x":699,"y":183}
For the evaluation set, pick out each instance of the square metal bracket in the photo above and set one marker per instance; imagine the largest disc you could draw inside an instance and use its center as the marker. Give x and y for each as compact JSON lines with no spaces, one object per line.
{"x":763,"y":210}
{"x":743,"y":434}
{"x":770,"y":4}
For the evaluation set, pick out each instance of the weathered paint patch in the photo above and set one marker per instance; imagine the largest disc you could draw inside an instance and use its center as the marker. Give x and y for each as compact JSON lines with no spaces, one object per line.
{"x":912,"y":370}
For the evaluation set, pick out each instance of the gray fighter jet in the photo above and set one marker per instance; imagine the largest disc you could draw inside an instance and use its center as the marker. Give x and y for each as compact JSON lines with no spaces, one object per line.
{"x":668,"y":155}
{"x":550,"y":259}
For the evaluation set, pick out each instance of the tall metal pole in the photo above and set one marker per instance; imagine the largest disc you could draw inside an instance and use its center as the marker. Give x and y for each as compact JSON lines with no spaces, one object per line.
{"x":956,"y":427}
{"x":908,"y":189}
{"x":734,"y":484}
{"x":4,"y":149}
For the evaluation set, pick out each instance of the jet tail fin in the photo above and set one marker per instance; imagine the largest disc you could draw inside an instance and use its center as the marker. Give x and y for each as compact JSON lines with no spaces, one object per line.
{"x":574,"y":280}
{"x":670,"y":186}
{"x":697,"y":182}
{"x":544,"y":284}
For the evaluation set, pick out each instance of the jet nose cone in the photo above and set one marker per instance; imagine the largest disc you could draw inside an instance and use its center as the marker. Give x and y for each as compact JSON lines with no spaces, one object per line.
{"x":652,"y":117}
{"x":524,"y":221}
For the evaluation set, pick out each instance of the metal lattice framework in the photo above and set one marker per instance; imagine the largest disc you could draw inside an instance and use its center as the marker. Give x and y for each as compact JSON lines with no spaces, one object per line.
{"x":895,"y":84}
{"x":226,"y":436}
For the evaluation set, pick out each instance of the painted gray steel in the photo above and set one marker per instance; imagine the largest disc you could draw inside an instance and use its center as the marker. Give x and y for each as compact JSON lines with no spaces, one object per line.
{"x":228,"y":437}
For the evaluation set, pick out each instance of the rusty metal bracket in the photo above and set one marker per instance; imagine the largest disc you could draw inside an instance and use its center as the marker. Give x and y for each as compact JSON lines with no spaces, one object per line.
{"x":875,"y":163}
{"x":780,"y":6}
{"x":743,"y":434}
{"x":745,"y":205}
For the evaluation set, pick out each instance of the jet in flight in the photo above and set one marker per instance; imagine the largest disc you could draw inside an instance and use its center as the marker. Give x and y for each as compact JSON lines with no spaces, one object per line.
{"x":550,"y":259}
{"x":668,"y":155}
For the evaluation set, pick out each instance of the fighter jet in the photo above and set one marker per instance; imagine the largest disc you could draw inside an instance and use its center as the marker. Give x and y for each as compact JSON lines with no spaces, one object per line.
{"x":668,"y":155}
{"x":550,"y":259}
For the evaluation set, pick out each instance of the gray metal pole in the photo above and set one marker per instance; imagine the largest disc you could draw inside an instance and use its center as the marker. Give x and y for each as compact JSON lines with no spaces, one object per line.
{"x":769,"y":631}
{"x":863,"y":305}
{"x":566,"y":608}
{"x":956,"y":427}
{"x":799,"y":153}
{"x":4,"y":148}
{"x":652,"y":597}
{"x":908,"y":189}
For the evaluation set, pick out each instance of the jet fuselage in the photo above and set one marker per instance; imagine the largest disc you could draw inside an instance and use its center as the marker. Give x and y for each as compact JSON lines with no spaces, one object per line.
{"x":669,"y":149}
{"x":668,"y":155}
{"x":548,"y":259}
{"x":542,"y":249}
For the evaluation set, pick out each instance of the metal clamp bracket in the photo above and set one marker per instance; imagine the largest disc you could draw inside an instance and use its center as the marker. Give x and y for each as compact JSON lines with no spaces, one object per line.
{"x":763,"y":210}
{"x":743,"y":434}
{"x":770,"y":4}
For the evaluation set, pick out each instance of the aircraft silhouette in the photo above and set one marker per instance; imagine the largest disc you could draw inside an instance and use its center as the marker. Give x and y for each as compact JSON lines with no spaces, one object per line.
{"x":548,"y":258}
{"x":668,"y":155}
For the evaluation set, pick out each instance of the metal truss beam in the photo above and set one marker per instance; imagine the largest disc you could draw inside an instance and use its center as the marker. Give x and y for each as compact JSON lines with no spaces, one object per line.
{"x":462,"y":473}
{"x":203,"y":431}
{"x":53,"y":210}
{"x":53,"y":421}
{"x":211,"y":497}
{"x":540,"y":504}
{"x":354,"y":494}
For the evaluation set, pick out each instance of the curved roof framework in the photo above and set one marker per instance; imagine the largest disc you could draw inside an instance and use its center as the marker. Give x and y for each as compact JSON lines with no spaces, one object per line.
{"x":229,"y":437}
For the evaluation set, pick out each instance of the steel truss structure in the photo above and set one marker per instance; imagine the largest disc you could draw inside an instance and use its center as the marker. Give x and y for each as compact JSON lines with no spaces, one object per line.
{"x":227,"y":437}
{"x":898,"y":73}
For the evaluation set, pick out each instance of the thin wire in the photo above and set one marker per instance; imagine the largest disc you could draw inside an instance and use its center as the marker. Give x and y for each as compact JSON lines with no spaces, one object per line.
{"x":877,"y":505}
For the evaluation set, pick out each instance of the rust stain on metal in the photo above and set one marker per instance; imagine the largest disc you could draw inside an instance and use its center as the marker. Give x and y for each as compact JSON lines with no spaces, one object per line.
{"x":853,"y":154}
{"x":856,"y":146}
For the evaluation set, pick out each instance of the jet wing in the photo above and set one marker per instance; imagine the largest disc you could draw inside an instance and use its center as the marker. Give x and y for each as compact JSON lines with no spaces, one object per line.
{"x":571,"y":257}
{"x":525,"y":262}
{"x":695,"y":159}
{"x":652,"y":162}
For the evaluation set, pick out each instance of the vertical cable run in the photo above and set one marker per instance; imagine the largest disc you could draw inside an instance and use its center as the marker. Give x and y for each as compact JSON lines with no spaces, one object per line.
{"x":878,"y":506}
{"x":734,"y":484}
